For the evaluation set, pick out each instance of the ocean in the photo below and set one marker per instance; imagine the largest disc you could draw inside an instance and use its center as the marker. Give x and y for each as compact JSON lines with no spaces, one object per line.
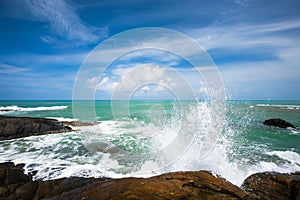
{"x":146,"y":138}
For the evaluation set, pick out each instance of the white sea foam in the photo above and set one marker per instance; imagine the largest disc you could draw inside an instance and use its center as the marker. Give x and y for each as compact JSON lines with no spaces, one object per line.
{"x":63,"y":155}
{"x":289,"y":107}
{"x":290,"y":156}
{"x":9,"y":109}
{"x":63,"y":119}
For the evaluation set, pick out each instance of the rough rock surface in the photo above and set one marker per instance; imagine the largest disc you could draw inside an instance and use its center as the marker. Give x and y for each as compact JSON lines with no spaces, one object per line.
{"x":278,"y":123}
{"x":17,"y":127}
{"x":178,"y":185}
{"x":11,"y":177}
{"x":272,"y":185}
{"x":14,"y":184}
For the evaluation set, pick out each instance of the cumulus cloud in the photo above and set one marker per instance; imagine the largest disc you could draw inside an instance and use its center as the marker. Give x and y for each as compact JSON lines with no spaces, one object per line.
{"x":151,"y":79}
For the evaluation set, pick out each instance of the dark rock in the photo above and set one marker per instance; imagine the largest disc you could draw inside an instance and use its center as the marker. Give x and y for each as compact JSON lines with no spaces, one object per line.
{"x":273,"y":185}
{"x":278,"y":123}
{"x":17,"y":127}
{"x":16,"y":176}
{"x":11,"y":177}
{"x":6,"y":165}
{"x":3,"y":192}
{"x":20,"y":166}
{"x":26,"y":191}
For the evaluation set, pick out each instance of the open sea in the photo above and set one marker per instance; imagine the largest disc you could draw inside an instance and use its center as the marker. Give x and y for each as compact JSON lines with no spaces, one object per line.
{"x":146,"y":138}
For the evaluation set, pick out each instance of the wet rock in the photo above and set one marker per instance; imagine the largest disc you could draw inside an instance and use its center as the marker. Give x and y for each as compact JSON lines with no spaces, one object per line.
{"x":278,"y":123}
{"x":17,"y":127}
{"x":11,"y":177}
{"x":177,"y":185}
{"x":77,"y":123}
{"x":273,"y":185}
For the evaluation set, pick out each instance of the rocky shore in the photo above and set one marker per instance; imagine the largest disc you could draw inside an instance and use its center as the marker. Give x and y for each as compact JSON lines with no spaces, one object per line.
{"x":14,"y":184}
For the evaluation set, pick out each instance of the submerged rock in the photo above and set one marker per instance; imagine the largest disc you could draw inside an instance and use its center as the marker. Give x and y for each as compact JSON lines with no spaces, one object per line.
{"x":18,"y":127}
{"x":278,"y":123}
{"x":273,"y":185}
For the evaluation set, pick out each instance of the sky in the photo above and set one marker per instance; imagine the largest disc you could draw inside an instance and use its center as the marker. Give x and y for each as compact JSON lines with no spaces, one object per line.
{"x":255,"y":44}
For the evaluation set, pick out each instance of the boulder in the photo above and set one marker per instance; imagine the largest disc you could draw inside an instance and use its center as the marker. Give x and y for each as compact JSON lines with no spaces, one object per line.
{"x":273,"y":185}
{"x":11,"y":177}
{"x":278,"y":123}
{"x":17,"y":127}
{"x":176,"y":185}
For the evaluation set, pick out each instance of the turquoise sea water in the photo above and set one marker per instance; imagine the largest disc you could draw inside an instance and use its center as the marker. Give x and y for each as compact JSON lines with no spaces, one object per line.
{"x":153,"y":137}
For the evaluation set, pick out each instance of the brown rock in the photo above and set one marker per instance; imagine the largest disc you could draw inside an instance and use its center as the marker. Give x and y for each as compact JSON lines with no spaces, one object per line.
{"x":178,"y":185}
{"x":273,"y":185}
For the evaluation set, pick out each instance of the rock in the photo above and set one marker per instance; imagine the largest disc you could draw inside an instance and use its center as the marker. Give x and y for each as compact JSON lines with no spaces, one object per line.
{"x":17,"y":127}
{"x":177,"y":185}
{"x":278,"y":123}
{"x":52,"y":188}
{"x":3,"y":192}
{"x":273,"y":185}
{"x":77,"y":123}
{"x":12,"y":177}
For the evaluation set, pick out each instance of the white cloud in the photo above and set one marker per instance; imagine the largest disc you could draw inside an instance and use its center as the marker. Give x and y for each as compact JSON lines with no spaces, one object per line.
{"x":145,"y":88}
{"x":92,"y":81}
{"x":235,"y":37}
{"x":106,"y":84}
{"x":39,"y":60}
{"x":63,"y":20}
{"x":150,"y":79}
{"x":241,"y":2}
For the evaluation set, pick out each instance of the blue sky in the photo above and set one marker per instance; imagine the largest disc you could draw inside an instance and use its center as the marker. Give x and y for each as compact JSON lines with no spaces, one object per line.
{"x":255,"y":44}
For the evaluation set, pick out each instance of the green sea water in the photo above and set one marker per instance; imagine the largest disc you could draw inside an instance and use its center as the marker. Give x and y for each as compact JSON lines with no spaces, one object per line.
{"x":128,"y":140}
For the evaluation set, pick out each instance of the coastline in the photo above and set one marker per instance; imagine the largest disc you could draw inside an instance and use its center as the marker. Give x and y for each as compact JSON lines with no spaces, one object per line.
{"x":14,"y":184}
{"x":184,"y":184}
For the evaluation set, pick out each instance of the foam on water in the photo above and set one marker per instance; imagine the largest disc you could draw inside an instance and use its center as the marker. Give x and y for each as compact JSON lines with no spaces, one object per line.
{"x":289,"y":107}
{"x":14,"y":108}
{"x":101,"y":150}
{"x":63,"y":119}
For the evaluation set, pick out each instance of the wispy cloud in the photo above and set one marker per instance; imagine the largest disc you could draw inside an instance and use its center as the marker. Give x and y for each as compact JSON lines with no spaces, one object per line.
{"x":10,"y":69}
{"x":234,"y":37}
{"x":63,"y":20}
